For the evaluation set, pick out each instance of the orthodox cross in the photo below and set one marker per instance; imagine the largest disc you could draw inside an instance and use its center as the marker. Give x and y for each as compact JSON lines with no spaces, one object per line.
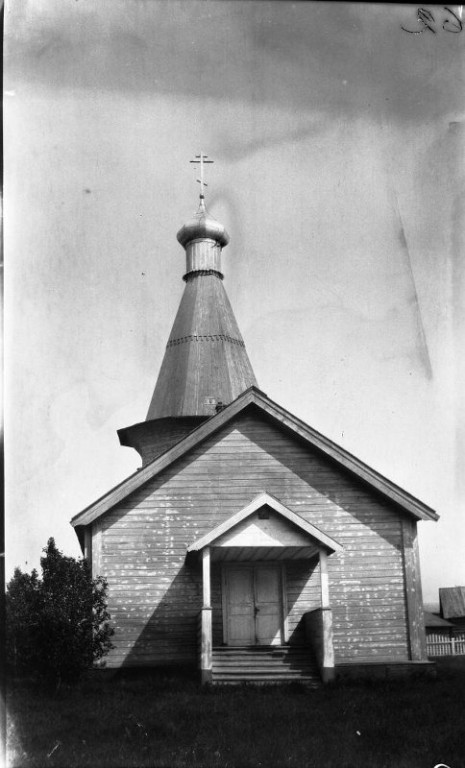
{"x":201,"y":160}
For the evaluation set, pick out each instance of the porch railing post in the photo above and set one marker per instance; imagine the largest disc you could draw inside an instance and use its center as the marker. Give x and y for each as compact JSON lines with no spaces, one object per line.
{"x":206,"y":588}
{"x":324,"y":582}
{"x":206,"y":634}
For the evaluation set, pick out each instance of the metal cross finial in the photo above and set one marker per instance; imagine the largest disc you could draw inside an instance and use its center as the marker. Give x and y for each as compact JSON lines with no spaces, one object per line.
{"x":201,"y":160}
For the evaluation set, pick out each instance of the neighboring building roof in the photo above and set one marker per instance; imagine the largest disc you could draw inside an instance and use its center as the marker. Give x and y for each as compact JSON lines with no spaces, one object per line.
{"x":452,"y":600}
{"x":260,"y":501}
{"x":432,"y":620}
{"x":257,"y":399}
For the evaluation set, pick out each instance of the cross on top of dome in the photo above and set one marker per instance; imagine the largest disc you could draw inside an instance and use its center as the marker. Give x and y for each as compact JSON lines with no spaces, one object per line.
{"x":201,"y":160}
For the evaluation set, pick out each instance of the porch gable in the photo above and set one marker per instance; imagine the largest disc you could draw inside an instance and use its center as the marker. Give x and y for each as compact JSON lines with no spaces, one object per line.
{"x":253,"y":591}
{"x":266,"y":523}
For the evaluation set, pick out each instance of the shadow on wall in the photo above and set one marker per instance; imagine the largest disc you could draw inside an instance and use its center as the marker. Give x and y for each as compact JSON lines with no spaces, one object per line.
{"x":170,"y":635}
{"x":326,"y":495}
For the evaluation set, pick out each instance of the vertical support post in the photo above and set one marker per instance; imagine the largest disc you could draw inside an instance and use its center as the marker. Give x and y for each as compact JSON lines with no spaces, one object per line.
{"x":324,"y":581}
{"x":88,"y":546}
{"x":327,"y":660}
{"x":206,"y":588}
{"x":414,"y":600}
{"x":206,"y":639}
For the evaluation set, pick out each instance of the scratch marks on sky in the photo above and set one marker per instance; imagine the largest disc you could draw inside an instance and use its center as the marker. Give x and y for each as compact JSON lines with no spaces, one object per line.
{"x":422,"y":344}
{"x":233,"y":149}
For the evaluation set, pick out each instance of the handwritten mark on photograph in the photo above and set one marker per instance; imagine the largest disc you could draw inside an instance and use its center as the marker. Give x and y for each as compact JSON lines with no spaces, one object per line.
{"x":449,"y":21}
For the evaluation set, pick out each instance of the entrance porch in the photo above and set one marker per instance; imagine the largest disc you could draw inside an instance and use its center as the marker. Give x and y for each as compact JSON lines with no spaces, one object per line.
{"x":254,"y":554}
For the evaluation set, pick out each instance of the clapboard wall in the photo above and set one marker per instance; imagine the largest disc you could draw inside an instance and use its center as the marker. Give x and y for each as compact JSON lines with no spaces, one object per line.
{"x":155,"y":594}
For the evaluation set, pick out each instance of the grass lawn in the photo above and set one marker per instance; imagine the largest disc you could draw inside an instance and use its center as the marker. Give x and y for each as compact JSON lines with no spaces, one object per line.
{"x":165,"y":720}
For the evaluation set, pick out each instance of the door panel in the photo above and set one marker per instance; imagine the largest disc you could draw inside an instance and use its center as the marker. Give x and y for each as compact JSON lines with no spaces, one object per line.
{"x":267,"y":605}
{"x":241,"y":625}
{"x":253,"y":605}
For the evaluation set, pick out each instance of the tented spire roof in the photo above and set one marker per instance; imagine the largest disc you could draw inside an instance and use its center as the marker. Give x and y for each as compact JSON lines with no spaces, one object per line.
{"x":205,"y":362}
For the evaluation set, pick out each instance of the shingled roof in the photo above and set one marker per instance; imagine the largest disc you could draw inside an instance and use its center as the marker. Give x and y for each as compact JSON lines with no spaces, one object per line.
{"x":452,"y":601}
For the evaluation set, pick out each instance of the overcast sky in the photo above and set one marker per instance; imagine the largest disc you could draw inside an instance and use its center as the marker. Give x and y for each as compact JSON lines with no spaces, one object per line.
{"x":339,"y":163}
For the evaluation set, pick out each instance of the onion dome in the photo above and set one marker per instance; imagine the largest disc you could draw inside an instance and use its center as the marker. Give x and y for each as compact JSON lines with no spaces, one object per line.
{"x":203,"y":226}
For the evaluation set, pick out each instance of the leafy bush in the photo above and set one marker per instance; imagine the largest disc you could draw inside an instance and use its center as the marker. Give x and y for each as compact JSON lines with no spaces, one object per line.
{"x":57,"y":626}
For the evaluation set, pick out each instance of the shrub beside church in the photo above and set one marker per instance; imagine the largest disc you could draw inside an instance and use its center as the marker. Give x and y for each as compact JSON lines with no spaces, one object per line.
{"x":58,"y":625}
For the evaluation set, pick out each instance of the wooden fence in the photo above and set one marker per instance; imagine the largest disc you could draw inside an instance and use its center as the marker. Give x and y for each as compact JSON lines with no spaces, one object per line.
{"x":440,"y":645}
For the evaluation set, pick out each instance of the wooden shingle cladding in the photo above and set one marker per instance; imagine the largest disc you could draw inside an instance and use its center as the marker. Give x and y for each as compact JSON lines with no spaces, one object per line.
{"x":155,"y":594}
{"x":205,"y":360}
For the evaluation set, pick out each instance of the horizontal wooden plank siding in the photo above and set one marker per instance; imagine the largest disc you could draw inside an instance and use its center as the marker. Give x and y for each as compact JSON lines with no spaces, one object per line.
{"x":367,"y":589}
{"x":303,"y":594}
{"x":156,"y":595}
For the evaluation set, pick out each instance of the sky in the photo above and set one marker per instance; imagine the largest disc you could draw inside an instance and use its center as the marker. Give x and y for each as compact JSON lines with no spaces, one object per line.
{"x":338,"y":141}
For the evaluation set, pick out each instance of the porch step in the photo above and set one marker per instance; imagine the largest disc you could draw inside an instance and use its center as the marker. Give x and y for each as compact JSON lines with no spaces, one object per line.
{"x":264,"y":664}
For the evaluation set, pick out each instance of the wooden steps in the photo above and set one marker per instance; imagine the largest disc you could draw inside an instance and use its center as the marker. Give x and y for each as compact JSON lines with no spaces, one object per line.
{"x":265,"y":664}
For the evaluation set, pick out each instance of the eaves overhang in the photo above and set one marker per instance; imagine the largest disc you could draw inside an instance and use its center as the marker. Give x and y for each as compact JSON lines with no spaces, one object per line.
{"x":254,"y":397}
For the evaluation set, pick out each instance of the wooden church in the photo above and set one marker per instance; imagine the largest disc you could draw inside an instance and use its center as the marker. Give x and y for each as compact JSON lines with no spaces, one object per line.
{"x":248,"y":544}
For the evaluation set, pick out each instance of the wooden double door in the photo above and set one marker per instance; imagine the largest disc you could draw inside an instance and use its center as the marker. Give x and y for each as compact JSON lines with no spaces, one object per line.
{"x":253,"y":604}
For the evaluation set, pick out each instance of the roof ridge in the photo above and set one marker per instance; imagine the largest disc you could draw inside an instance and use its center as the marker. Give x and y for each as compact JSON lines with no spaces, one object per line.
{"x":254,"y":396}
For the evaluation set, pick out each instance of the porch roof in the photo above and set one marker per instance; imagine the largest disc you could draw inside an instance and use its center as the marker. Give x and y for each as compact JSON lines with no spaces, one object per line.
{"x":265,"y":530}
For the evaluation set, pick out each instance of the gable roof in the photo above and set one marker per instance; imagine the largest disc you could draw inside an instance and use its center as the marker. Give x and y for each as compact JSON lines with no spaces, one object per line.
{"x":452,"y":601}
{"x":432,"y":620}
{"x":265,"y":499}
{"x":254,"y":397}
